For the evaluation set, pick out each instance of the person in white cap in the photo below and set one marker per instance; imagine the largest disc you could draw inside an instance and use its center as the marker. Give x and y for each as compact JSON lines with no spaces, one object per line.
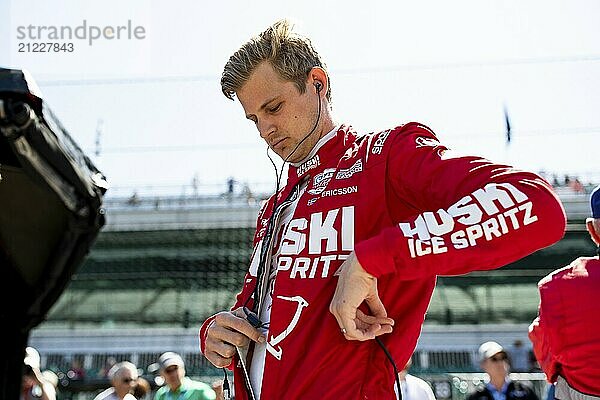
{"x":177,"y":385}
{"x":123,"y":377}
{"x":565,"y":335}
{"x":494,"y":361}
{"x":34,"y":385}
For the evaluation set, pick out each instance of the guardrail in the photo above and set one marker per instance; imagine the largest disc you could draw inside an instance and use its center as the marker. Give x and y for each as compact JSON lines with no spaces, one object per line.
{"x":147,"y":211}
{"x":445,"y":386}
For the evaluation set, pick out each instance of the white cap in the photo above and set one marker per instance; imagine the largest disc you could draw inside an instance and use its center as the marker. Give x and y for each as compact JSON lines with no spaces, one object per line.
{"x":32,"y":358}
{"x":489,"y":349}
{"x":168,"y":359}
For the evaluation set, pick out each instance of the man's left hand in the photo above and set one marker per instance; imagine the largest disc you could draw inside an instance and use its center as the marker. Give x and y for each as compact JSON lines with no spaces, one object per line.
{"x":355,"y":286}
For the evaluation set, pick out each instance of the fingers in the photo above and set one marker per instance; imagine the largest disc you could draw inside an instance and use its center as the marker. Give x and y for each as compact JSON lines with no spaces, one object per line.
{"x":227,"y":332}
{"x":382,"y":323}
{"x":236,"y":321}
{"x":370,"y":325}
{"x":377,"y":330}
{"x":372,"y":319}
{"x":355,"y":286}
{"x":364,"y":327}
{"x":220,"y":345}
{"x":364,"y":332}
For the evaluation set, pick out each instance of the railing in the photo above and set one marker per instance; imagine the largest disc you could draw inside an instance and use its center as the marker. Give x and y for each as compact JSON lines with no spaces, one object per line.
{"x":215,"y":194}
{"x":446,"y":385}
{"x":156,"y":208}
{"x":441,"y":349}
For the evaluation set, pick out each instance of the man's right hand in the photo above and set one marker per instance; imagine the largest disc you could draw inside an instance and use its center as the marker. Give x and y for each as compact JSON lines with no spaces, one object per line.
{"x":229,"y":330}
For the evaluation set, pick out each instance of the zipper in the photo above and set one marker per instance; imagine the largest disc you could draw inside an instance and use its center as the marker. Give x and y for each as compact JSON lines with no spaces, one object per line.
{"x":266,"y":250}
{"x":262,"y":281}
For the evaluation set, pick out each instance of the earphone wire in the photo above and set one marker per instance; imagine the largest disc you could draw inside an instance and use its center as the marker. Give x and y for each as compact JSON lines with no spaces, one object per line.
{"x":391,"y":359}
{"x":278,"y":175}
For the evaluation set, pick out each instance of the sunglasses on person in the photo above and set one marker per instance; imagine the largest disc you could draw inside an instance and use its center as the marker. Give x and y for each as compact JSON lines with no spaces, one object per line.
{"x":128,"y":380}
{"x":171,"y":369}
{"x":499,"y":358}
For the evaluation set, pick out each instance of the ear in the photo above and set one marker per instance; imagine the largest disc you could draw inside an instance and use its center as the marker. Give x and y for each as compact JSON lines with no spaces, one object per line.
{"x":593,"y":227}
{"x":317,"y":80}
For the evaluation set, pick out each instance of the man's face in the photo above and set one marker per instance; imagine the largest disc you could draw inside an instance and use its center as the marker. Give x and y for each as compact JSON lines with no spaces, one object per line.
{"x":124,"y":383}
{"x":173,"y":375}
{"x":497,"y":365}
{"x":283,"y":116}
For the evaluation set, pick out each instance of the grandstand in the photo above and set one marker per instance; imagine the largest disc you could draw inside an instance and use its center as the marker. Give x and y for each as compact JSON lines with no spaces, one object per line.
{"x":162,"y":264}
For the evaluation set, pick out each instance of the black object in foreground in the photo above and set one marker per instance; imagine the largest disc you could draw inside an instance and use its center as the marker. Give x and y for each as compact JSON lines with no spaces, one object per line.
{"x":50,"y":215}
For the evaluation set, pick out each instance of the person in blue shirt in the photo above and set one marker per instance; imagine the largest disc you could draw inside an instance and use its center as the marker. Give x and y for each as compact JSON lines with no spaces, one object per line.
{"x":494,"y":361}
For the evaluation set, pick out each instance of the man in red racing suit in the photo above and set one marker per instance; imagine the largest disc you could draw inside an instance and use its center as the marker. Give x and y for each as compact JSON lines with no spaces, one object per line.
{"x":396,"y":207}
{"x":565,"y":336}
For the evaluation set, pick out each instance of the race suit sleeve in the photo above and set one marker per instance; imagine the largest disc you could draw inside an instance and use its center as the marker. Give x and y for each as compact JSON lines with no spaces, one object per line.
{"x":468,"y":212}
{"x":544,"y":330}
{"x":542,"y":349}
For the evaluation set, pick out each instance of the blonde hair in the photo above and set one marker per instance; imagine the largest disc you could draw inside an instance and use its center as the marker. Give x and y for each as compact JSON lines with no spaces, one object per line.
{"x":290,"y":54}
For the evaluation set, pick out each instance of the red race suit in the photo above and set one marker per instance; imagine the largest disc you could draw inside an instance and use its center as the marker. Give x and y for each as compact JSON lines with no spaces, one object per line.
{"x":565,"y":336}
{"x":411,"y":210}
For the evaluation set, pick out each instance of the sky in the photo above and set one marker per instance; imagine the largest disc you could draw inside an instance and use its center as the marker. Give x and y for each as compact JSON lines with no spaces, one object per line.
{"x":152,"y":107}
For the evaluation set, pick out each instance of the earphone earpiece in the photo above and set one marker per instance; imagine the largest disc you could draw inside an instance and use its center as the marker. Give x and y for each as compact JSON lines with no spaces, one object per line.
{"x":319,"y":86}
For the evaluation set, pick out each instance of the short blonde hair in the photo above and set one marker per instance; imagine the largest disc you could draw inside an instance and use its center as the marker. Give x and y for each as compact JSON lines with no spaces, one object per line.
{"x":291,"y":55}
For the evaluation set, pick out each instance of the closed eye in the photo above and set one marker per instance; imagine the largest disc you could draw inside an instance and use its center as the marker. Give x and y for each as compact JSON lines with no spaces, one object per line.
{"x":275,"y":109}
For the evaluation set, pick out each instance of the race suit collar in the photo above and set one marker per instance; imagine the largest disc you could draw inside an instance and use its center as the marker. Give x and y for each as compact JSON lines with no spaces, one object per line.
{"x":317,"y":146}
{"x":330,"y":146}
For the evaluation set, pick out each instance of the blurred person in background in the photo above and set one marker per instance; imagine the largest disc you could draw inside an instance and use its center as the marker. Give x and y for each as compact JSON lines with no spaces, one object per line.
{"x":110,"y":362}
{"x":565,"y":337}
{"x":177,"y":385}
{"x":142,"y":389}
{"x":347,"y":253}
{"x":493,"y":359}
{"x":218,"y":388}
{"x":51,"y":377}
{"x":123,"y":378}
{"x":414,"y":388}
{"x":34,"y":385}
{"x":519,"y":357}
{"x":76,"y":371}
